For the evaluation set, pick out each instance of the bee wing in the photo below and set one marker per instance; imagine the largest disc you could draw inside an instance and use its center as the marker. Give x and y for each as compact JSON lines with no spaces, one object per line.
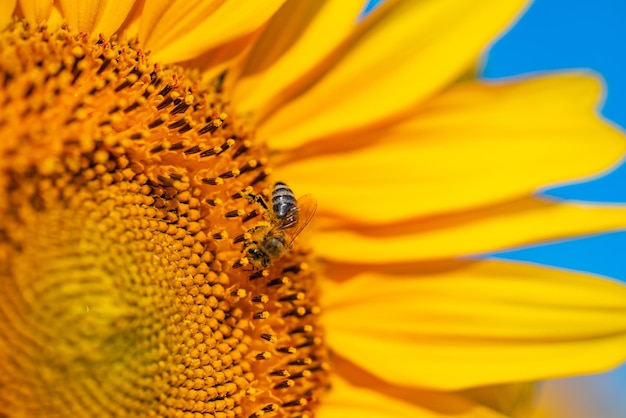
{"x":307,"y":205}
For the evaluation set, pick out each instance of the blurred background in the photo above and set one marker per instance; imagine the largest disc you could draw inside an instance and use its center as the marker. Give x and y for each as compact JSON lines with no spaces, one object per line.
{"x":588,"y":35}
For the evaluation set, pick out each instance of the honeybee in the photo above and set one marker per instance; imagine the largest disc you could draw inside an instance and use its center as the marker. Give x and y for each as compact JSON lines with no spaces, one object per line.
{"x":285,"y":219}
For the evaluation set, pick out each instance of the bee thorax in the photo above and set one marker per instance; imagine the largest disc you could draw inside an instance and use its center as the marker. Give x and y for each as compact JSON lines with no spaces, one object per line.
{"x":274,"y":245}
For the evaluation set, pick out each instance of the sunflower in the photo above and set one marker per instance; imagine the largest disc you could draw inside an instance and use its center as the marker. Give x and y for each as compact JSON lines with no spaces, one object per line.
{"x":152,"y":263}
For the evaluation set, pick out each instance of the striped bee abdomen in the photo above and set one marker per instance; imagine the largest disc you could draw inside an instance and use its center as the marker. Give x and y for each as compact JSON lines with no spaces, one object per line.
{"x":284,"y":205}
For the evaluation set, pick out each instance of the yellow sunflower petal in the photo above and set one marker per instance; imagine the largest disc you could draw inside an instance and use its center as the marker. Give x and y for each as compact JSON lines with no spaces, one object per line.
{"x":472,"y":145}
{"x":6,"y":12}
{"x":413,"y":49}
{"x":182,"y":30}
{"x":482,"y":323}
{"x":37,"y":11}
{"x":498,"y":227}
{"x":513,"y":400}
{"x":295,"y":40}
{"x":95,"y":16}
{"x":350,"y":400}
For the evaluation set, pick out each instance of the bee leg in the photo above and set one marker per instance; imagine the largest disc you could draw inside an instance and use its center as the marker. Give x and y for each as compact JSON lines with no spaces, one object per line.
{"x":256,"y":228}
{"x":257,"y":198}
{"x":248,"y":239}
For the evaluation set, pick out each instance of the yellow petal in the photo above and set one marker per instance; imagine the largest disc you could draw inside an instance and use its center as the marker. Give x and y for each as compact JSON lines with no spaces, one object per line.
{"x":413,"y":49}
{"x":472,"y":145}
{"x":6,"y":12}
{"x":514,"y":400}
{"x":347,"y":399}
{"x":95,"y":16}
{"x":162,"y":20}
{"x":478,"y":324}
{"x":493,"y":228}
{"x":37,"y":11}
{"x":226,"y":57}
{"x":56,"y":19}
{"x":181,"y":30}
{"x":295,"y":40}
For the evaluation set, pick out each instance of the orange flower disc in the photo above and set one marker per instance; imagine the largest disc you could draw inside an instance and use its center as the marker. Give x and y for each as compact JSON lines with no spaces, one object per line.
{"x":123,"y":291}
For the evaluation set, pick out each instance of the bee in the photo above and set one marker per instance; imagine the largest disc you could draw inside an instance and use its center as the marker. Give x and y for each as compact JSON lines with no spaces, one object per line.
{"x":285,"y":219}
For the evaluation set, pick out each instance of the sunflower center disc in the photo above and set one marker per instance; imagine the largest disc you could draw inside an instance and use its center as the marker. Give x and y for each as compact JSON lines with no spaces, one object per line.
{"x":122,"y":290}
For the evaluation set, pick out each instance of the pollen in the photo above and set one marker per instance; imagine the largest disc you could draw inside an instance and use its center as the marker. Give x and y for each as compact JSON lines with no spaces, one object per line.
{"x":124,"y":291}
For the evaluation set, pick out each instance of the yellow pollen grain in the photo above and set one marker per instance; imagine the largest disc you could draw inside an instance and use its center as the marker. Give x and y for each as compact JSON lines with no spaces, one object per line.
{"x":124,"y":291}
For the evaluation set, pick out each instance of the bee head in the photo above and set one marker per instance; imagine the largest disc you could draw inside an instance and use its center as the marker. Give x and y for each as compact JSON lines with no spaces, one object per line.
{"x":258,"y":258}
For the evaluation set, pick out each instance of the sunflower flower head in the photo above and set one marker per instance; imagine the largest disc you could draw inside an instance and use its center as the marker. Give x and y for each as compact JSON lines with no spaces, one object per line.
{"x":125,"y":206}
{"x":150,"y":263}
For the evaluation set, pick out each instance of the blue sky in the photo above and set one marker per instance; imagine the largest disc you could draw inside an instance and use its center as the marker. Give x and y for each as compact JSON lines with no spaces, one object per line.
{"x":574,"y":34}
{"x":584,"y":35}
{"x":588,"y":35}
